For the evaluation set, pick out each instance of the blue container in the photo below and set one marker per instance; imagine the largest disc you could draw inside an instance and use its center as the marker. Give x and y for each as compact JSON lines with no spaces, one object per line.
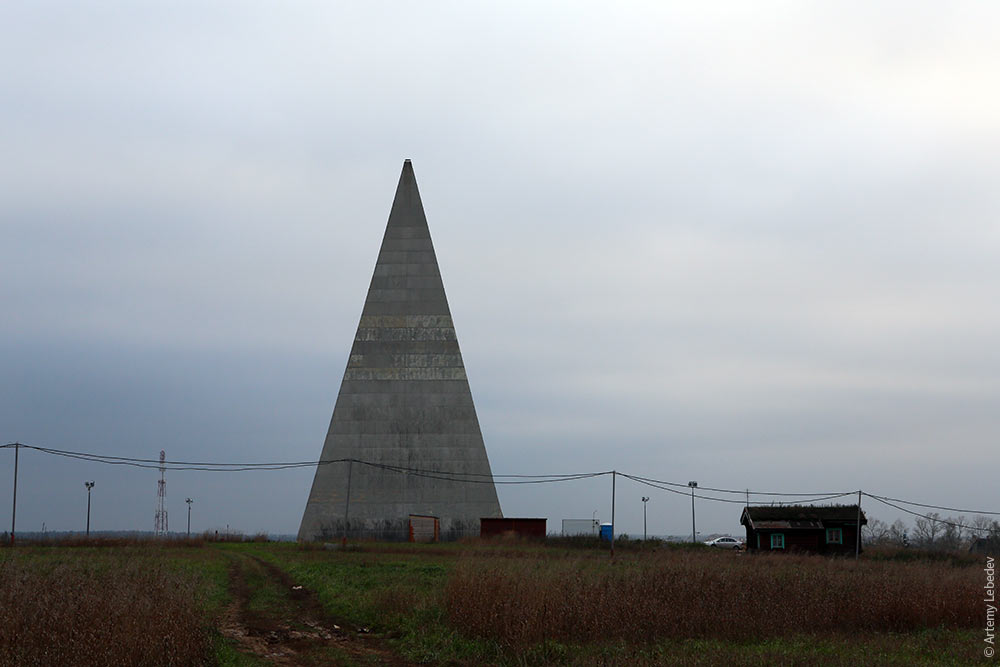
{"x":607,"y":530}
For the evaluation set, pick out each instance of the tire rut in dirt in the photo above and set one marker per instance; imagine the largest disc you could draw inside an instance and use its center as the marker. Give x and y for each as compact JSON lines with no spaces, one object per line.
{"x":294,"y":629}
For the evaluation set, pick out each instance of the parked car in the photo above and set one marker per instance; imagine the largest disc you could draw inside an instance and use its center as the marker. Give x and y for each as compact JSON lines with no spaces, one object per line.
{"x":725,"y":543}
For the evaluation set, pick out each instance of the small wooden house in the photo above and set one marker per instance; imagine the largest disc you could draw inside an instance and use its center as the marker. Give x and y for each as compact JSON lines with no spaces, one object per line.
{"x":823,"y":529}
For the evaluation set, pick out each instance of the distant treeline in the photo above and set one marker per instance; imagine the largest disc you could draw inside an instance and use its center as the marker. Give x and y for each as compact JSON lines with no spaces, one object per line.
{"x":933,"y":532}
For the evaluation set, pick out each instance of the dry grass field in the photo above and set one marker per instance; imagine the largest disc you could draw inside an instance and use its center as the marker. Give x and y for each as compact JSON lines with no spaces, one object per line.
{"x":692,"y":594}
{"x":109,"y":606}
{"x":256,"y":603}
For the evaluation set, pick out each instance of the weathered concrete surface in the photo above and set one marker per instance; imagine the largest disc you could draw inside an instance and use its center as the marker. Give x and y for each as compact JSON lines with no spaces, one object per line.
{"x":404,"y":402}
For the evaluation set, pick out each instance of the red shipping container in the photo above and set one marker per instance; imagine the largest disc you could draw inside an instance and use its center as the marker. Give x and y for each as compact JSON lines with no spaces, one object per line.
{"x":523,"y":527}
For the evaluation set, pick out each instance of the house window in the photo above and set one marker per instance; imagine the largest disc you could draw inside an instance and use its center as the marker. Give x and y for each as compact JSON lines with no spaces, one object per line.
{"x":834,"y":536}
{"x":777,"y":541}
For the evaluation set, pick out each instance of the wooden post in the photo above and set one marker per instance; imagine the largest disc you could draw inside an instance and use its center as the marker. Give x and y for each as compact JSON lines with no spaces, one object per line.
{"x":857,"y":543}
{"x":13,"y":514}
{"x":614,"y":474}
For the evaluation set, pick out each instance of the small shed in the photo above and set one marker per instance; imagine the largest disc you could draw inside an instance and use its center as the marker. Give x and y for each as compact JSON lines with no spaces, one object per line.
{"x":523,"y":527}
{"x":823,"y":529}
{"x":424,"y":528}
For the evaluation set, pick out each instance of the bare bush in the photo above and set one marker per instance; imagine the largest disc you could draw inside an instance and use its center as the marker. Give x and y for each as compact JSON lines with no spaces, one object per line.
{"x":927,"y":530}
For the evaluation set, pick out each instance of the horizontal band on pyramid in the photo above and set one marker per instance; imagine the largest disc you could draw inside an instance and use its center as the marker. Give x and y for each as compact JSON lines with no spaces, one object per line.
{"x":388,"y":387}
{"x":405,"y":374}
{"x":411,"y":400}
{"x":464,"y":432}
{"x":415,"y":232}
{"x":404,"y":321}
{"x":413,"y":269}
{"x":391,"y":244}
{"x":382,"y":360}
{"x":407,"y":257}
{"x":405,"y":333}
{"x":406,"y":282}
{"x":405,"y":414}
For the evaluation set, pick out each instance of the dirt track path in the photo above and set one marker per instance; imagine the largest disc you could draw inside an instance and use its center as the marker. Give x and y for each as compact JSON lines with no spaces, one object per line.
{"x":293,"y":629}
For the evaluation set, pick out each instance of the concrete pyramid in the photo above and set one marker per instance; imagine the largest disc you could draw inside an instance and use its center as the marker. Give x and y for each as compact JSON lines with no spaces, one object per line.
{"x":404,"y":402}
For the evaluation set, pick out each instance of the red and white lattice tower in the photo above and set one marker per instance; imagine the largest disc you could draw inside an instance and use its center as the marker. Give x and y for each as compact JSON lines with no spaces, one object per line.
{"x":160,"y":522}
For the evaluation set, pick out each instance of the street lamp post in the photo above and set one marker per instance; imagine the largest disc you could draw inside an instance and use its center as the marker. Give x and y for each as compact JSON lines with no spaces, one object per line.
{"x":89,"y":486}
{"x":693,"y":486}
{"x":189,"y":501}
{"x":645,"y":499}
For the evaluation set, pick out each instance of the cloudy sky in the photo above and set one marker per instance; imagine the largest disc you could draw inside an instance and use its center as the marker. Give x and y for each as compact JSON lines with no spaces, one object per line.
{"x":754,"y":245}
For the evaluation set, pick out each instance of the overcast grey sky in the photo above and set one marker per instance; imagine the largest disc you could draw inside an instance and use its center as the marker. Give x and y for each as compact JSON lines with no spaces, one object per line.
{"x":751,"y":244}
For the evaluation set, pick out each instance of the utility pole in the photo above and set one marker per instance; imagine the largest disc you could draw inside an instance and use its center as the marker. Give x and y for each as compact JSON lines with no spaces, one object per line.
{"x":693,"y":486}
{"x":614,"y":474}
{"x":645,"y":499}
{"x":13,"y":513}
{"x":189,"y":501}
{"x":160,"y":518}
{"x":857,"y":543}
{"x":89,"y":486}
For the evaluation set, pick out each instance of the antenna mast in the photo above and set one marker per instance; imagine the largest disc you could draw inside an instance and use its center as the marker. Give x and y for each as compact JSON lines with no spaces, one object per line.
{"x":160,"y":522}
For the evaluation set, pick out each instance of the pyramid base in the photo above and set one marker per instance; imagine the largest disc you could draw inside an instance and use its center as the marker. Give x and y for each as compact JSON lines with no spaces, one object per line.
{"x":386,"y":530}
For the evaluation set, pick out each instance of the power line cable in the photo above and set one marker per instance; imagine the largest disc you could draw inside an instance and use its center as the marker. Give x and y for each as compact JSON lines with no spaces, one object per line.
{"x":451,"y":476}
{"x":929,"y":518}
{"x":458,"y":477}
{"x":126,"y":462}
{"x":443,"y":475}
{"x":687,"y":494}
{"x":281,"y":465}
{"x":935,"y":507}
{"x":744,"y":492}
